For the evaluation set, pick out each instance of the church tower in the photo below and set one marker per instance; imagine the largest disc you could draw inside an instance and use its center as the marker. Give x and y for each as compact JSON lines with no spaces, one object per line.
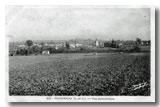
{"x":97,"y":43}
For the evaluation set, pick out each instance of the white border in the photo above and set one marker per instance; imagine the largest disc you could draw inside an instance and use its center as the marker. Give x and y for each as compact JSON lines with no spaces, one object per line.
{"x":90,"y":98}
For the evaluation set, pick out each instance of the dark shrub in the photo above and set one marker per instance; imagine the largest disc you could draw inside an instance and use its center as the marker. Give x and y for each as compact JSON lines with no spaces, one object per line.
{"x":136,"y":49}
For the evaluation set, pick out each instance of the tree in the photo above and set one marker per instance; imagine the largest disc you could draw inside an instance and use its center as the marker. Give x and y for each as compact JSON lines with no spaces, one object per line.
{"x":107,"y":44}
{"x":42,"y":47}
{"x":29,"y":43}
{"x":22,"y":51}
{"x":136,"y":49}
{"x":67,"y":45}
{"x":113,"y":44}
{"x":36,"y":49}
{"x":138,"y":41}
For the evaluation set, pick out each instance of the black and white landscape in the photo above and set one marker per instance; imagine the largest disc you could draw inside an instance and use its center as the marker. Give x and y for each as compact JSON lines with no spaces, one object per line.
{"x":79,"y":51}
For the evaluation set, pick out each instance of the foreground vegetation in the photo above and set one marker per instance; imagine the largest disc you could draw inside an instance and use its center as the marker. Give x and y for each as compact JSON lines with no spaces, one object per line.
{"x":79,"y":74}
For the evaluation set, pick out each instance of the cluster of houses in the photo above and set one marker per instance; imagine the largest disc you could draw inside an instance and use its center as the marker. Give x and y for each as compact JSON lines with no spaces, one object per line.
{"x":47,"y":48}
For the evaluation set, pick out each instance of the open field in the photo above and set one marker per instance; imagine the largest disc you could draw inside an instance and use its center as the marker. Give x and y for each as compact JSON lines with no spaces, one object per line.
{"x":79,"y":74}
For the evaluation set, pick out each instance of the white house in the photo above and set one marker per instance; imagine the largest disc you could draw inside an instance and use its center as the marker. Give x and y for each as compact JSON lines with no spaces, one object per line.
{"x":78,"y":45}
{"x":72,"y":45}
{"x":46,"y":52}
{"x":22,"y":46}
{"x":97,"y":43}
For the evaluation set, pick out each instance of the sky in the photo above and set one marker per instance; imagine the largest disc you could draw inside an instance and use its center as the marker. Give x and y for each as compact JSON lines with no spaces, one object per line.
{"x":77,"y":22}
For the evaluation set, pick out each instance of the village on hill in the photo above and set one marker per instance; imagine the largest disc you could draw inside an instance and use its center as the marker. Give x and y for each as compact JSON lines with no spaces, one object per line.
{"x":30,"y":47}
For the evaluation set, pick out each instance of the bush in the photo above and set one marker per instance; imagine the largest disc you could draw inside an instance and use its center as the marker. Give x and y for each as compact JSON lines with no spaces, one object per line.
{"x":36,"y":49}
{"x":21,"y":52}
{"x":136,"y":49}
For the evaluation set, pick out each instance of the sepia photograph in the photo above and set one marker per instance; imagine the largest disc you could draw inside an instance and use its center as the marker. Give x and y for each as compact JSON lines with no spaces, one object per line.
{"x":80,"y":53}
